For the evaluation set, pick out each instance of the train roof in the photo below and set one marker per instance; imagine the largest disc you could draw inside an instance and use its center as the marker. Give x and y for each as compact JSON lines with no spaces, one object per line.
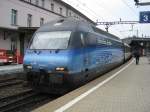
{"x":73,"y":24}
{"x":97,"y":30}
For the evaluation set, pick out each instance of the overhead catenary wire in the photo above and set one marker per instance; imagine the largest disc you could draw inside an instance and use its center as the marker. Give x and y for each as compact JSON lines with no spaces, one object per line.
{"x":133,"y":11}
{"x":84,"y":5}
{"x":77,"y":6}
{"x":100,"y":5}
{"x":96,"y":14}
{"x":97,"y":2}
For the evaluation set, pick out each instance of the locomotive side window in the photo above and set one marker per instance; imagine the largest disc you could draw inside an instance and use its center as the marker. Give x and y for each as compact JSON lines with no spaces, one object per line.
{"x":91,"y":39}
{"x":78,"y":39}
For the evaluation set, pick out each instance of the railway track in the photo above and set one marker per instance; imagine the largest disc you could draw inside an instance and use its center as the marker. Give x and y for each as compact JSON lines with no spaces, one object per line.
{"x":7,"y":79}
{"x":14,"y":96}
{"x":9,"y":82}
{"x":18,"y":101}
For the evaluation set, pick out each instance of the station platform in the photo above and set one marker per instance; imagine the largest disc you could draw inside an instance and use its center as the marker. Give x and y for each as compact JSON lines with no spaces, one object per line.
{"x":9,"y":69}
{"x":125,"y":89}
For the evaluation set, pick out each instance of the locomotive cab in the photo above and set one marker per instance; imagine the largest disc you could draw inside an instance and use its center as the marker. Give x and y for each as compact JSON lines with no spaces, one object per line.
{"x":48,"y":55}
{"x":54,"y":54}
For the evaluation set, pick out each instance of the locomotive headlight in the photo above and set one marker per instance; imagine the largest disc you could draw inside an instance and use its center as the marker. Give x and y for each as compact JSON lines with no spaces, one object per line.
{"x":29,"y":67}
{"x":60,"y":69}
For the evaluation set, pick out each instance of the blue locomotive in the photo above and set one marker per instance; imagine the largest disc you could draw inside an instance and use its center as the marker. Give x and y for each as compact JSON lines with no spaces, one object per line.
{"x":66,"y":53}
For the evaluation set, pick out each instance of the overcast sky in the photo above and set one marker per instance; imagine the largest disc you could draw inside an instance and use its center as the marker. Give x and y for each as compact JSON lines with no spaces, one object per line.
{"x":113,"y":10}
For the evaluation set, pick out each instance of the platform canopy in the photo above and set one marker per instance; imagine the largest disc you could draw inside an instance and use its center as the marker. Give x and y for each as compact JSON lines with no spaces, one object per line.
{"x":27,"y":29}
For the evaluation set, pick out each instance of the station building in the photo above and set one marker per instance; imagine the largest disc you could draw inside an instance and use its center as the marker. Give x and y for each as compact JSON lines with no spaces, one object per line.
{"x":20,"y":18}
{"x":142,"y":43}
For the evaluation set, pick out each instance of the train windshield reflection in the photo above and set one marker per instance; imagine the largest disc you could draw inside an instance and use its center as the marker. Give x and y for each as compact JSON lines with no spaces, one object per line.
{"x":50,"y":40}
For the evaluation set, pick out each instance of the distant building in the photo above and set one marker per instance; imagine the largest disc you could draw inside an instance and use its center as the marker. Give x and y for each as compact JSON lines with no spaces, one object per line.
{"x":20,"y":18}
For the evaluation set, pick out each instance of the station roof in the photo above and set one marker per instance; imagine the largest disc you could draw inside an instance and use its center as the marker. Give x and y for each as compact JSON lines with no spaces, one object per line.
{"x":137,"y":39}
{"x":27,"y":29}
{"x":7,"y":29}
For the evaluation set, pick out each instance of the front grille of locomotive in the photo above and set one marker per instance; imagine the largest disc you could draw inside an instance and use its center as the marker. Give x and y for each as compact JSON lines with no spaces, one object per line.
{"x":45,"y":79}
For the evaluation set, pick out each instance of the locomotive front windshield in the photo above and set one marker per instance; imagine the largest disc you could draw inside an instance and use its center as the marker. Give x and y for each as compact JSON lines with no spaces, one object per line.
{"x":51,"y":40}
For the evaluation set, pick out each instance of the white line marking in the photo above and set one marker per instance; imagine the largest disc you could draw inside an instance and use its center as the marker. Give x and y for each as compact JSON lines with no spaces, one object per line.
{"x":71,"y":103}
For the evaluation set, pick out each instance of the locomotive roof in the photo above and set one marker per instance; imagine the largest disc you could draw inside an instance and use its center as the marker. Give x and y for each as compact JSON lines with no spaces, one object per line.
{"x":72,"y":24}
{"x":65,"y":24}
{"x":97,"y":30}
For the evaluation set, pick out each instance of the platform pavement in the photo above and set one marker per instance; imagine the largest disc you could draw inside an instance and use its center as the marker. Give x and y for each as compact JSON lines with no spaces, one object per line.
{"x":8,"y":69}
{"x":129,"y":91}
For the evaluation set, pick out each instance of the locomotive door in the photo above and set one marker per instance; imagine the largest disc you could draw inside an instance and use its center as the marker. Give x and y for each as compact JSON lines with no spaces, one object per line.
{"x":86,"y":59}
